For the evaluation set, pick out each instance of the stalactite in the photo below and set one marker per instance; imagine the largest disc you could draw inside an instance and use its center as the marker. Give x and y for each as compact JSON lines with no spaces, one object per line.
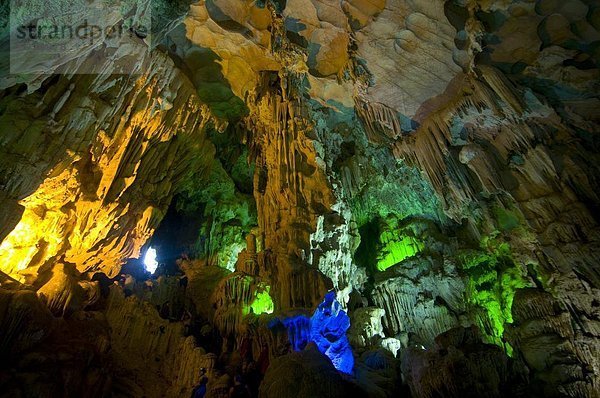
{"x":410,"y":304}
{"x":510,"y":126}
{"x":96,"y":197}
{"x":338,"y":264}
{"x":381,"y":122}
{"x":290,"y":196}
{"x":234,"y":299}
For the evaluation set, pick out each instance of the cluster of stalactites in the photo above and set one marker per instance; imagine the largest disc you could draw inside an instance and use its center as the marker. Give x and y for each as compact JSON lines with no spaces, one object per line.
{"x":236,"y":297}
{"x":290,"y":189}
{"x":445,"y":145}
{"x":102,"y":184}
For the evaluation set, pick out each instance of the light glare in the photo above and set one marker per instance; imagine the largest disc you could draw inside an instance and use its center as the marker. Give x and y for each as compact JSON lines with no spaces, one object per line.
{"x":150,"y":262}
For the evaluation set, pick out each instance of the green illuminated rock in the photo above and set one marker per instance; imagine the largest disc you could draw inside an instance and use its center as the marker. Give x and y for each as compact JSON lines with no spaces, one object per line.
{"x":221,"y":196}
{"x":493,"y":278}
{"x":262,"y":303}
{"x":395,"y":251}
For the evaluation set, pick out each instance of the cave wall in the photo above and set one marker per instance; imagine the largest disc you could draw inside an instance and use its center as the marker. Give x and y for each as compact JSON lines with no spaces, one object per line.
{"x":434,"y":162}
{"x":90,"y":180}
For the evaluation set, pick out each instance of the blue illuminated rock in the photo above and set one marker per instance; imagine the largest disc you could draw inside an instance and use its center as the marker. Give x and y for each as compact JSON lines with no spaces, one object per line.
{"x":298,"y":330}
{"x":328,"y":327}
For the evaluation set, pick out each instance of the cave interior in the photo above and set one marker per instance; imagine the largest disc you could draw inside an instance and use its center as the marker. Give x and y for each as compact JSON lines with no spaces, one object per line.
{"x":300,"y":198}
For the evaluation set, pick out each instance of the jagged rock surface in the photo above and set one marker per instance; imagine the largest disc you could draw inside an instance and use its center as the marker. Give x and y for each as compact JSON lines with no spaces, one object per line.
{"x":304,"y":374}
{"x":457,"y":353}
{"x":431,"y":161}
{"x":93,"y":176}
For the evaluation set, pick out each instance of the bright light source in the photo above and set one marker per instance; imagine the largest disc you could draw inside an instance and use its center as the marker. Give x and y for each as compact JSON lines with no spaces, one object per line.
{"x":150,"y":262}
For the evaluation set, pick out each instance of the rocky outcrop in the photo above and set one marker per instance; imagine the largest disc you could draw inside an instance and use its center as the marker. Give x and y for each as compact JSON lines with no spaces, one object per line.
{"x":366,"y":327}
{"x":306,"y":373}
{"x":47,"y":356}
{"x":460,"y":365}
{"x":25,"y":321}
{"x":378,"y":373}
{"x":152,"y":355}
{"x":65,"y":293}
{"x":557,"y":347}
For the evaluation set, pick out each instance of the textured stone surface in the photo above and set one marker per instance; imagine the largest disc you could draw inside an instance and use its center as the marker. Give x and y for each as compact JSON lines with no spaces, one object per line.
{"x":304,"y":374}
{"x":554,"y":345}
{"x":459,"y":365}
{"x":151,"y":354}
{"x":433,"y":162}
{"x":96,"y":172}
{"x":47,"y":356}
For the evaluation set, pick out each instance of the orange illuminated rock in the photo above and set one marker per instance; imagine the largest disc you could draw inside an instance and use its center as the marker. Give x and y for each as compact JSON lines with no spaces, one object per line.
{"x":103,"y":188}
{"x":328,"y":52}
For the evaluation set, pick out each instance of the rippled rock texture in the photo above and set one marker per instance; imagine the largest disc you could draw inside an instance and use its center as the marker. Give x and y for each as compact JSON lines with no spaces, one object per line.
{"x":433,"y":163}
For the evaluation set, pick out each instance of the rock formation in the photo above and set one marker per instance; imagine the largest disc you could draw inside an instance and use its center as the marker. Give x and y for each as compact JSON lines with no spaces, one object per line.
{"x":410,"y":185}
